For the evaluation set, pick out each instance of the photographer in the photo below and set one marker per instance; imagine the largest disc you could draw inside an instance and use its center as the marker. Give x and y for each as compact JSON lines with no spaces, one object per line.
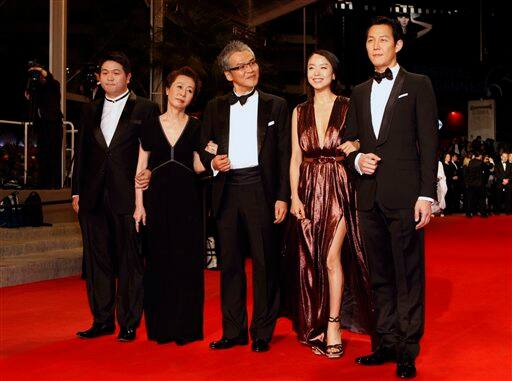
{"x":43,"y":93}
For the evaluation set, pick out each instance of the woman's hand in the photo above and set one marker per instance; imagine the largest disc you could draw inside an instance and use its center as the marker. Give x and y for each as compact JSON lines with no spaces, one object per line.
{"x":297,"y":208}
{"x":349,"y":146}
{"x":139,"y":216}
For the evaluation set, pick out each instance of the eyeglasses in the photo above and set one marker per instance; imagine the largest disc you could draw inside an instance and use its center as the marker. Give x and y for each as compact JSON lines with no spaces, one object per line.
{"x":252,"y":63}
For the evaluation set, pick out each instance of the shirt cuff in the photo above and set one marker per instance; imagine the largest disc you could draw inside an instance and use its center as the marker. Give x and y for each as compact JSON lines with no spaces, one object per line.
{"x":423,"y":198}
{"x":356,"y":163}
{"x":75,"y":195}
{"x":213,"y":170}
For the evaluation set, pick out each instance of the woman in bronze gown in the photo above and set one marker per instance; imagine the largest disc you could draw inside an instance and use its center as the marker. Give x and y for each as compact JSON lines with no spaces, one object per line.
{"x":333,"y":288}
{"x":173,"y":281}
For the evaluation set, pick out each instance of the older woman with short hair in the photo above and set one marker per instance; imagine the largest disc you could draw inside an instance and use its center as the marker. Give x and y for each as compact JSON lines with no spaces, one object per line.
{"x":171,"y":211}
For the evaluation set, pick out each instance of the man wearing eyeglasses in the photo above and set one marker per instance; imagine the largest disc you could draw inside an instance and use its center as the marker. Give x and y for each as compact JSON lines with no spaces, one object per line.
{"x":250,"y":194}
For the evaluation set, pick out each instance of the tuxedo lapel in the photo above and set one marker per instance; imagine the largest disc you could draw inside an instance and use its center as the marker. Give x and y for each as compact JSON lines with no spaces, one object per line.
{"x":367,"y":110}
{"x":390,"y":107}
{"x":124,"y":120}
{"x":223,"y":115}
{"x":98,"y":134}
{"x":264,"y":112}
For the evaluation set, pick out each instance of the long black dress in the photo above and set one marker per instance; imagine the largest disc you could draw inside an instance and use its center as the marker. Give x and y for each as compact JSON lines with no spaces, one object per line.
{"x":174,"y":285}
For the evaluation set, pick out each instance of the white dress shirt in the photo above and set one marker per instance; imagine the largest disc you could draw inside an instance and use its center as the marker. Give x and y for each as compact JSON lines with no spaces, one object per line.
{"x":243,"y":134}
{"x":378,"y":99}
{"x":112,"y":110}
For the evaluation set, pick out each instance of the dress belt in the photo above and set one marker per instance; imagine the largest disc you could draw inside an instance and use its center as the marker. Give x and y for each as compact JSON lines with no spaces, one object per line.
{"x":323,"y":159}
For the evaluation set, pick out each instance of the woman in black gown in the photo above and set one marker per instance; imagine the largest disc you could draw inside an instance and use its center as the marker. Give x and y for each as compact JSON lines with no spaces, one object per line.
{"x":171,"y":211}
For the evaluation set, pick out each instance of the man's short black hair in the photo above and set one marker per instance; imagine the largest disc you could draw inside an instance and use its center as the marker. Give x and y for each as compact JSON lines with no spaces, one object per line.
{"x":118,"y":57}
{"x":394,"y":25}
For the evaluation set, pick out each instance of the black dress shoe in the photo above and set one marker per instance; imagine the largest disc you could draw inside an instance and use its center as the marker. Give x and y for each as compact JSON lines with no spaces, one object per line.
{"x":405,"y":368}
{"x":97,"y":330}
{"x":126,"y":334}
{"x":379,"y":357}
{"x":229,"y":343}
{"x":260,"y":345}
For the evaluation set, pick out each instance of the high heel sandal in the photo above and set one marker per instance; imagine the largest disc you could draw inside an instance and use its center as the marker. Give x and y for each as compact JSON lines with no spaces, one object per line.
{"x":334,"y":351}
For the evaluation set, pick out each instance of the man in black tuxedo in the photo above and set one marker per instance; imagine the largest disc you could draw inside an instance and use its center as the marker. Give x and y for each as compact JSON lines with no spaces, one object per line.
{"x":249,"y":195}
{"x":104,"y":197}
{"x":457,"y":183}
{"x":394,"y":116}
{"x":474,"y":175}
{"x":503,"y":172}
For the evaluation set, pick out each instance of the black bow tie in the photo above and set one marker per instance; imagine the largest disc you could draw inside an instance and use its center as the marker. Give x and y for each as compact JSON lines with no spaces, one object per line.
{"x":233,"y":98}
{"x":388,"y":74}
{"x":118,"y":99}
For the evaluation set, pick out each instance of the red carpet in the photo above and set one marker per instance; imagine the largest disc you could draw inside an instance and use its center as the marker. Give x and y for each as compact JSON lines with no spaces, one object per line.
{"x":468,"y":330}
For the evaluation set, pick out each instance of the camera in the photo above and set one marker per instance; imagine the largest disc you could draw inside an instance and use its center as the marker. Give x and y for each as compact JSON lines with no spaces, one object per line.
{"x":90,"y":80}
{"x":34,"y":76}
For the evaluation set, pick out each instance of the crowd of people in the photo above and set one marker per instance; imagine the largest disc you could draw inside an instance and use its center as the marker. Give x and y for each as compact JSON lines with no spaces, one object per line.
{"x":358,"y":177}
{"x":474,"y":178}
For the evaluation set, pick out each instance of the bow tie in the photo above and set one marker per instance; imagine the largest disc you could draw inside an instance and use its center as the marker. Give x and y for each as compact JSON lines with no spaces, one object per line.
{"x":233,"y":98}
{"x":118,"y":99}
{"x":388,"y":74}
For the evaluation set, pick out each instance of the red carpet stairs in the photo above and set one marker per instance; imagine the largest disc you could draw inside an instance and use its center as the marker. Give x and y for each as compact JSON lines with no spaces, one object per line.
{"x":33,"y":254}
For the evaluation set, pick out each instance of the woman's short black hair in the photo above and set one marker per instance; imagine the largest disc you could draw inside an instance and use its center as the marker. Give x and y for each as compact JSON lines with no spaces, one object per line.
{"x":187,"y":71}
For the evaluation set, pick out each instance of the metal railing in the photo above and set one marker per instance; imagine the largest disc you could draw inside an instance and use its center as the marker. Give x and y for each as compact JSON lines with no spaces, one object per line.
{"x":67,"y":128}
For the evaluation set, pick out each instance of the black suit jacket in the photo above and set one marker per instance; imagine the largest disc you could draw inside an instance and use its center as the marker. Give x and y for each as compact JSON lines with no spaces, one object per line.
{"x":98,"y":166}
{"x":501,"y":173}
{"x":273,"y":145}
{"x":406,"y":143}
{"x":474,"y":174}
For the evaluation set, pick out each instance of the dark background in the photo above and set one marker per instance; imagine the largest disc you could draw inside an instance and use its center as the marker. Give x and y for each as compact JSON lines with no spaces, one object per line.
{"x":449,"y":54}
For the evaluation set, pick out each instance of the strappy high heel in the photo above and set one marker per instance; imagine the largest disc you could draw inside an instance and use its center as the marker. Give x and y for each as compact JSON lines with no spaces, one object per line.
{"x":334,"y":351}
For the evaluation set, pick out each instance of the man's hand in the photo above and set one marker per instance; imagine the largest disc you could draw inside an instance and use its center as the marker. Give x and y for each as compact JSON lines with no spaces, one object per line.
{"x":348,"y":147}
{"x":75,"y":203}
{"x":505,"y":181}
{"x":142,"y":179}
{"x":211,"y":147}
{"x":280,"y":210}
{"x":422,"y":213}
{"x":368,"y":163}
{"x":221,"y":163}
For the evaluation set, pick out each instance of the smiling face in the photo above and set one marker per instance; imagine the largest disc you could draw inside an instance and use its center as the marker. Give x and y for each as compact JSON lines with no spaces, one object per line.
{"x":246,"y":74}
{"x":181,"y":92}
{"x":381,"y":47}
{"x":320,"y":72}
{"x":114,"y":79}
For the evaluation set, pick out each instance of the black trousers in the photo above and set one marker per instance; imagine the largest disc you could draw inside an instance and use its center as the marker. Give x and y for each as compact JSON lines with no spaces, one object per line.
{"x":503,"y":199}
{"x":395,"y":251}
{"x":246,"y":222}
{"x":475,"y":200}
{"x":113,"y":265}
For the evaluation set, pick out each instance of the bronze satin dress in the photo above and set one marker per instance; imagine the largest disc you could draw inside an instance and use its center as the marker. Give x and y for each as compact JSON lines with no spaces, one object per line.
{"x":326,"y":190}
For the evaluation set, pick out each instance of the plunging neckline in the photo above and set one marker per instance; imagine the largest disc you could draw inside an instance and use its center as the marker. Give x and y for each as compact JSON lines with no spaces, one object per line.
{"x":328,"y":123}
{"x":179,"y":137}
